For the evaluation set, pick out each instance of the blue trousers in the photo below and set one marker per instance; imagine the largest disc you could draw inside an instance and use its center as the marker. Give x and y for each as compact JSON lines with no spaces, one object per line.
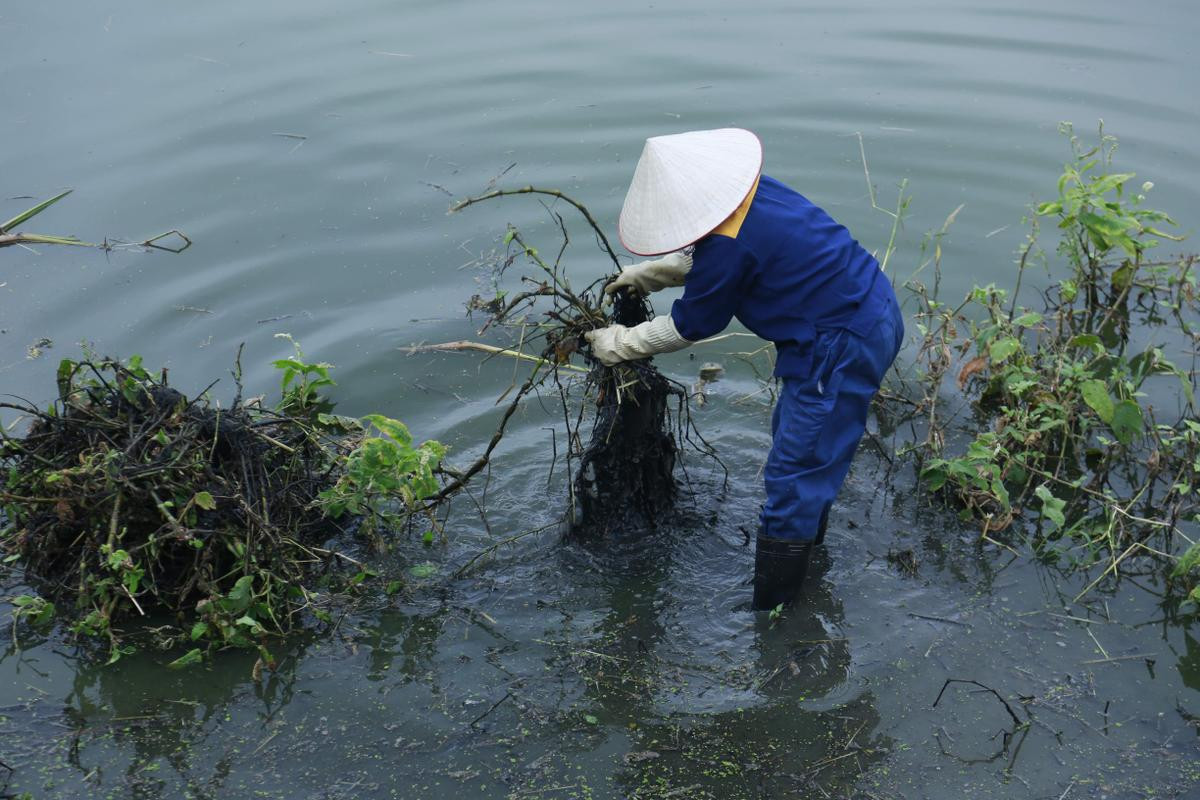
{"x":819,"y":420}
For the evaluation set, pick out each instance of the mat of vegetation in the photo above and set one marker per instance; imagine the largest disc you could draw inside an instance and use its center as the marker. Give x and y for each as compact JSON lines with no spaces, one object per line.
{"x":127,"y":499}
{"x":1070,"y":425}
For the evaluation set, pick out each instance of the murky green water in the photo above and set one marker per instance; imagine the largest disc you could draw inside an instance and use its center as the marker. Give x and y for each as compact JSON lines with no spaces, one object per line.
{"x":558,"y":671}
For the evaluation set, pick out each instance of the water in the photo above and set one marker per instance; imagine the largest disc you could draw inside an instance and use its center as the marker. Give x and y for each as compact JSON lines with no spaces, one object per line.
{"x":557,"y":671}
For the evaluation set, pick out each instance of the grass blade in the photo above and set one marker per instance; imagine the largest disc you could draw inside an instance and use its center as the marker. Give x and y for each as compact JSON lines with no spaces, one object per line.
{"x":39,"y":208}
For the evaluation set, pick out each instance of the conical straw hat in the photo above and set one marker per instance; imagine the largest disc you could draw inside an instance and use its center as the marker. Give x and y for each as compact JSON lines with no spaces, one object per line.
{"x":685,"y":185}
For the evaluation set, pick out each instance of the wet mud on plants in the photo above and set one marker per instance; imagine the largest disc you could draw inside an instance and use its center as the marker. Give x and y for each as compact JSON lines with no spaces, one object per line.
{"x":626,"y":472}
{"x":624,"y":476}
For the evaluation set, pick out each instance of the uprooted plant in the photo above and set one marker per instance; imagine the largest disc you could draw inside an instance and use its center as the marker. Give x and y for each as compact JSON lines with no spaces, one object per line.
{"x":1090,"y":439}
{"x":127,"y":499}
{"x":624,"y":474}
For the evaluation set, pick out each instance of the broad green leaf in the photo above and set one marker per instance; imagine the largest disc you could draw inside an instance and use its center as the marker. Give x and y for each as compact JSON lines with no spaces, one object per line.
{"x":1103,"y":225}
{"x":425,"y":570}
{"x":1095,"y":394}
{"x":1187,"y":561}
{"x":199,"y":629}
{"x":238,"y":598}
{"x":1052,"y":507}
{"x":1089,"y":340}
{"x":193,"y":656}
{"x":934,"y":477}
{"x":1001,"y":349}
{"x":1027,"y":319}
{"x":205,"y":500}
{"x":1109,"y":182}
{"x":393,"y":428}
{"x":1127,"y":421}
{"x":1049,"y":208}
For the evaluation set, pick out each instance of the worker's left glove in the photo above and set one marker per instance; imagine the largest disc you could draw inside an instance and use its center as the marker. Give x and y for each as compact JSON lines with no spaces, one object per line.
{"x":650,"y":276}
{"x":617,"y":343}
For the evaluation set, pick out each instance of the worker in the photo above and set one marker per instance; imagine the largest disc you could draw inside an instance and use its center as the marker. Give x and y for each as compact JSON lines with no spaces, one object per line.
{"x":742,"y":244}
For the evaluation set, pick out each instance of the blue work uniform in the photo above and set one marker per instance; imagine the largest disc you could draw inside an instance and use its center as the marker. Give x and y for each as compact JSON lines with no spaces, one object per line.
{"x":795,"y":277}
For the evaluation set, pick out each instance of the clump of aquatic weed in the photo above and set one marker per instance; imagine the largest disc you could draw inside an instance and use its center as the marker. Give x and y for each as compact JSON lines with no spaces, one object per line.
{"x":126,"y":499}
{"x":623,"y":478}
{"x":1082,"y":423}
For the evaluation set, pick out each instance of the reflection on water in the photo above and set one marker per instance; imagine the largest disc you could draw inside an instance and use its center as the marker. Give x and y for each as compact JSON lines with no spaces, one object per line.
{"x":631,"y":669}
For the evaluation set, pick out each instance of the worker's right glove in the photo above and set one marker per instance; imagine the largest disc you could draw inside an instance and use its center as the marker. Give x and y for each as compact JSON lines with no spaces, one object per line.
{"x":617,"y":343}
{"x":650,"y":276}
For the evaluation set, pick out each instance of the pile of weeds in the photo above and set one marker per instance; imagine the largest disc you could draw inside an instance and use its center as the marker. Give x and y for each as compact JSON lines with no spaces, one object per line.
{"x":125,"y":499}
{"x":1080,"y":434}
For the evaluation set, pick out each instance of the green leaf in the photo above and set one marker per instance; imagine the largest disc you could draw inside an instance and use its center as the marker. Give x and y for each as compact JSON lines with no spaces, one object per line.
{"x":935,"y":474}
{"x":1027,"y":319}
{"x":1046,"y":209}
{"x":66,"y":370}
{"x":1088,"y":340}
{"x":1109,"y":182}
{"x":1052,"y":507}
{"x":591,"y":719}
{"x":1107,"y":227}
{"x":205,"y":500}
{"x":32,"y":212}
{"x":1127,"y":421}
{"x":425,"y":570}
{"x":1095,"y":394}
{"x":1188,"y":561}
{"x":393,"y":428}
{"x":1001,"y":349}
{"x":199,"y":630}
{"x":193,"y":656}
{"x":238,"y":598}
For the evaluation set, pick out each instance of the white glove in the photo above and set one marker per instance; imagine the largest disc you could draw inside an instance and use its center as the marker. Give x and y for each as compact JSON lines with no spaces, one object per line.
{"x":650,"y":276}
{"x":617,"y":343}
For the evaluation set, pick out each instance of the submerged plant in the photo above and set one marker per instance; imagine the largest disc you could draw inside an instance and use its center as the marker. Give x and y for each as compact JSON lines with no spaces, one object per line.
{"x":1074,"y":444}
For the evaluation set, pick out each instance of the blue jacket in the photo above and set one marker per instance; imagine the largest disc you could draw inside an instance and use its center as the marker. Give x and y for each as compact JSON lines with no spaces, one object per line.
{"x":784,"y":268}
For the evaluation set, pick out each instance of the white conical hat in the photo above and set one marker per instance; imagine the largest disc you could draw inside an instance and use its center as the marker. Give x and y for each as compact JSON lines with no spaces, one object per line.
{"x":685,"y":185}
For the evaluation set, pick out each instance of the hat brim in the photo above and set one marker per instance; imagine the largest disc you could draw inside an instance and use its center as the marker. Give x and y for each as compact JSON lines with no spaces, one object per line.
{"x":685,"y":185}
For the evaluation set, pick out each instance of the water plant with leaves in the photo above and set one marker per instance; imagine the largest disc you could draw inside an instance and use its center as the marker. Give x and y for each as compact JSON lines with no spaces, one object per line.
{"x":126,"y":499}
{"x":1082,"y":434}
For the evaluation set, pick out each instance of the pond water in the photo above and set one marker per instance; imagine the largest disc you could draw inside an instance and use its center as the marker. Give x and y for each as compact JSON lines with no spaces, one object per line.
{"x":311,"y":150}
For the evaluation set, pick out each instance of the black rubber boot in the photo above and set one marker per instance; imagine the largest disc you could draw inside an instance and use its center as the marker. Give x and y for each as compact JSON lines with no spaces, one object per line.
{"x":821,"y":526}
{"x":779,"y":569}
